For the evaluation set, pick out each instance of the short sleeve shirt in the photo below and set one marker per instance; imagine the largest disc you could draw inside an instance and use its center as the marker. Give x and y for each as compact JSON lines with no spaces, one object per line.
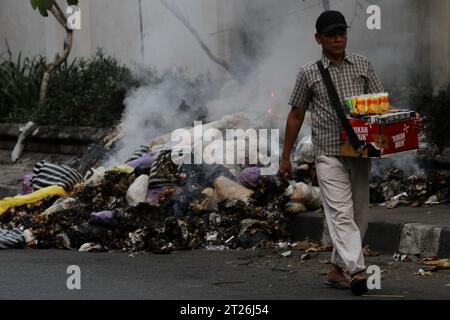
{"x":353,"y":77}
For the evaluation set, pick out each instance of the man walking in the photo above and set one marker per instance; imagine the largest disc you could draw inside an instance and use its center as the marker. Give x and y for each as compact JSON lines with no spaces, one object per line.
{"x":344,"y":182}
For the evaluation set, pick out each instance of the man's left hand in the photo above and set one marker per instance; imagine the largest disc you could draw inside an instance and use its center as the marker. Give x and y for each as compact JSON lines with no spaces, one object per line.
{"x":418,"y":122}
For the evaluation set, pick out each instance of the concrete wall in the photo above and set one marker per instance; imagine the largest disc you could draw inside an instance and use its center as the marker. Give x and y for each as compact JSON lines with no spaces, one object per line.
{"x":439,"y":42}
{"x":114,"y":26}
{"x":415,"y":34}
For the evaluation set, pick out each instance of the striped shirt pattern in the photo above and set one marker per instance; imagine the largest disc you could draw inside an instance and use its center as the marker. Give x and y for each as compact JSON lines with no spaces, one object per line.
{"x":46,"y":174}
{"x":138,"y":153}
{"x":163,"y":170}
{"x":353,"y":77}
{"x":10,"y":239}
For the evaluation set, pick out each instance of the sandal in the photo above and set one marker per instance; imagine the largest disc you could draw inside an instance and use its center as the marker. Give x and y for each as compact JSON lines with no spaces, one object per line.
{"x":336,"y":280}
{"x":359,"y":286}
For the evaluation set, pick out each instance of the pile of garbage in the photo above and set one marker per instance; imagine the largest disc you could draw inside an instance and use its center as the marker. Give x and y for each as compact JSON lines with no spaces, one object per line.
{"x":151,"y":204}
{"x":396,"y":189}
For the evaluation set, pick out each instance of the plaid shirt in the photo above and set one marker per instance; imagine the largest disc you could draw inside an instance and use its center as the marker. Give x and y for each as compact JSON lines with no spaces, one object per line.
{"x":353,"y":77}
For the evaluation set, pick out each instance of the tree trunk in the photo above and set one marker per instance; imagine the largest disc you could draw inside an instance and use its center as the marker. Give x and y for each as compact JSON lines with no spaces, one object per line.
{"x":30,"y":126}
{"x":141,"y":27}
{"x":61,"y":18}
{"x":51,"y":66}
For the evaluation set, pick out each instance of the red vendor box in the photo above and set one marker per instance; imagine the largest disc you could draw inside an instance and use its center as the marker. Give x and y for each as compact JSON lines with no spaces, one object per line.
{"x":392,"y":134}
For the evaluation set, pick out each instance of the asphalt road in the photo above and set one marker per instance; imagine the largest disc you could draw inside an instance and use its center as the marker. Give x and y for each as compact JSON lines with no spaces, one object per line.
{"x":199,"y":275}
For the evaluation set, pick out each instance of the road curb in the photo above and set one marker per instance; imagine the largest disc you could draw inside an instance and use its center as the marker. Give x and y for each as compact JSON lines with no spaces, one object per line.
{"x":444,"y":243}
{"x":387,"y":237}
{"x":52,"y":139}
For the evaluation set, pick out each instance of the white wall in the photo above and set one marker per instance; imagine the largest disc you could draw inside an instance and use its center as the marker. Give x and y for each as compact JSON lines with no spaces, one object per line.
{"x":113,"y":25}
{"x":410,"y":39}
{"x":440,"y":38}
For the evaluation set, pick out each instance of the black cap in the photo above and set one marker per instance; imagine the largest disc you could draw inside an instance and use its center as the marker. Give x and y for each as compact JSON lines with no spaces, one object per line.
{"x":329,"y":21}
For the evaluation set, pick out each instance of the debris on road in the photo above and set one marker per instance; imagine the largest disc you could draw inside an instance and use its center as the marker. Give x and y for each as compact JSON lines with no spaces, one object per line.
{"x":402,"y":258}
{"x":422,"y":273}
{"x":286,"y":254}
{"x":149,"y":203}
{"x":395,"y":189}
{"x":11,"y":239}
{"x":439,"y":264}
{"x":369,"y":252}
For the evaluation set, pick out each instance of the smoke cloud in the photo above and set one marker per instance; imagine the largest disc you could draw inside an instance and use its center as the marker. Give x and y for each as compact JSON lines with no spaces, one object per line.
{"x":266,"y":41}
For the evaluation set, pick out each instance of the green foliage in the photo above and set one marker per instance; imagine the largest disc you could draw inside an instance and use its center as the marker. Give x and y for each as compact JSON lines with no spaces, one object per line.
{"x":43,"y":6}
{"x":20,"y":83}
{"x":83,"y":93}
{"x":90,"y":92}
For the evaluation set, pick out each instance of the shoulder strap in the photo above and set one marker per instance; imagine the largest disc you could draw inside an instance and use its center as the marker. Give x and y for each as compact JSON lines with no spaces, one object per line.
{"x":336,"y":102}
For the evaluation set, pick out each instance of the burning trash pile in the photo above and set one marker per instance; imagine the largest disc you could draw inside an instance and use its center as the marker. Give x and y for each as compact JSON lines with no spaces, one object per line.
{"x":152,"y":204}
{"x":395,"y":189}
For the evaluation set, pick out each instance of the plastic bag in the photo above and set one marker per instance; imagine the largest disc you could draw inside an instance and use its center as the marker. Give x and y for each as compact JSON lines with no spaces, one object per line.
{"x":306,"y":194}
{"x":226,"y":189}
{"x":250,"y":177}
{"x":304,"y":153}
{"x":137,"y":191}
{"x":34,"y":197}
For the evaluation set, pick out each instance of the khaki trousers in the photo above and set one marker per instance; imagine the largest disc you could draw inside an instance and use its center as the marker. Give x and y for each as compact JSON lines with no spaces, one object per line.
{"x":344,"y":185}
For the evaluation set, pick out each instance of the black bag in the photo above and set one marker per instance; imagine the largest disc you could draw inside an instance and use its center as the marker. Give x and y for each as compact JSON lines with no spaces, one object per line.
{"x":363,"y":149}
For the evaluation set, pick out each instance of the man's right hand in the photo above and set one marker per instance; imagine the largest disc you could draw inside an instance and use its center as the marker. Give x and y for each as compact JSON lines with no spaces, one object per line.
{"x":293,"y":125}
{"x":285,"y":170}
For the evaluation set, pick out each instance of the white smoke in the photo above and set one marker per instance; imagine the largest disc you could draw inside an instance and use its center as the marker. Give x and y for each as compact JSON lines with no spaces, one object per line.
{"x":268,"y":41}
{"x":407,"y":163}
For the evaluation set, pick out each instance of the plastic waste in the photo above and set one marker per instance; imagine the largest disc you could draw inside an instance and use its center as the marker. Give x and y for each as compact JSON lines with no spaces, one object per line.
{"x":137,"y":192}
{"x":91,"y":247}
{"x":286,"y":254}
{"x":10,"y":239}
{"x":30,"y":239}
{"x":59,"y":205}
{"x":104,"y":218}
{"x":145,"y":160}
{"x":252,"y":232}
{"x":122,"y":168}
{"x":295,"y":207}
{"x":433,"y":200}
{"x":250,"y":177}
{"x":47,"y":174}
{"x":27,"y":187}
{"x":306,"y":194}
{"x":399,"y":196}
{"x":225,"y":189}
{"x":62,"y":241}
{"x":34,"y":197}
{"x":95,"y":178}
{"x":304,"y":153}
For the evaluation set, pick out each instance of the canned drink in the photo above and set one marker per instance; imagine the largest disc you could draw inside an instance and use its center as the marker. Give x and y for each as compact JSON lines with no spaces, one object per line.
{"x":384,"y":97}
{"x":378,"y":108}
{"x":369,"y":104}
{"x":362,"y":105}
{"x":354,"y":104}
{"x":349,"y":104}
{"x":373,"y":104}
